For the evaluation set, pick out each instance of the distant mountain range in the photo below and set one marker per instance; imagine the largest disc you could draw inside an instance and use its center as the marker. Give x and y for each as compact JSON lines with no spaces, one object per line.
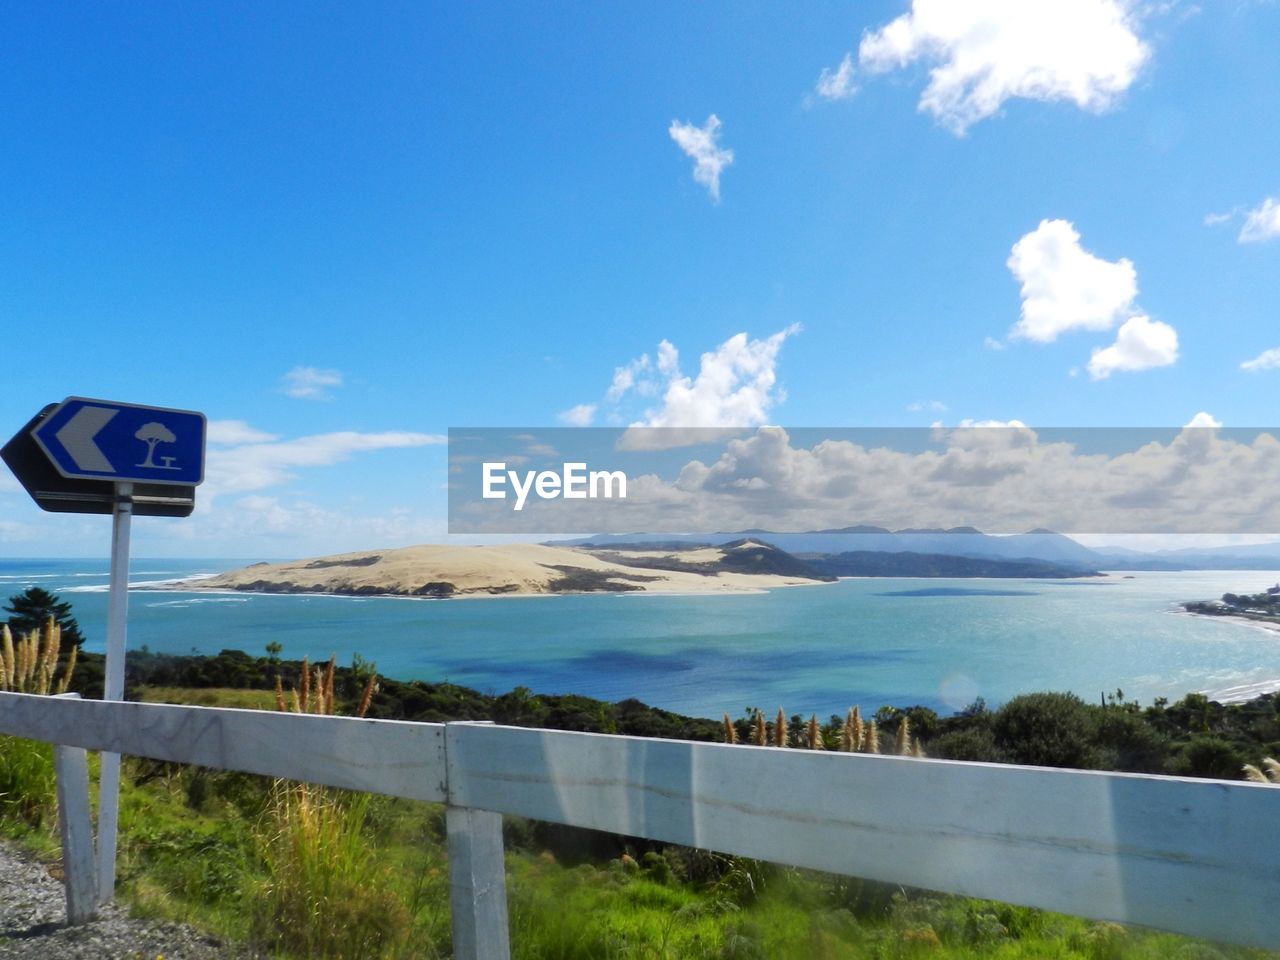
{"x":1035,"y":546}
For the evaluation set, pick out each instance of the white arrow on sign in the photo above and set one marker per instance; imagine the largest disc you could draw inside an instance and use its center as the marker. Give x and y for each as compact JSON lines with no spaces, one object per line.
{"x":77,"y":437}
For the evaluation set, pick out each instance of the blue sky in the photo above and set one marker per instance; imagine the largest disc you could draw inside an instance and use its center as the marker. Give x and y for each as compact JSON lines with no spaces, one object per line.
{"x":339,"y":231}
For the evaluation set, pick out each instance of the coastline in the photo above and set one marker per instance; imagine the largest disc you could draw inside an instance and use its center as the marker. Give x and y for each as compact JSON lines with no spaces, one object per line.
{"x":1270,"y":624}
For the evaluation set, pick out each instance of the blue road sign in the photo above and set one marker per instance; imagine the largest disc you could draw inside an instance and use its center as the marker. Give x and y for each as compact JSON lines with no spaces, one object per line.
{"x":124,"y":442}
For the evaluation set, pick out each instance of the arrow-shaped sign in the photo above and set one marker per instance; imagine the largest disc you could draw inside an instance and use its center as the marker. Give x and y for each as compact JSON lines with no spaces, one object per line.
{"x":123,"y":442}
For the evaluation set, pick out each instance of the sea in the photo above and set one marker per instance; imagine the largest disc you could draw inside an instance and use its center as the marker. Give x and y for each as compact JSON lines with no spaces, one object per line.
{"x":809,"y":649}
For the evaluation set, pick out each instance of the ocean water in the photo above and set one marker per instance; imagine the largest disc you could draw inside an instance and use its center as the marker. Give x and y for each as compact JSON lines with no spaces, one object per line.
{"x":808,"y":649}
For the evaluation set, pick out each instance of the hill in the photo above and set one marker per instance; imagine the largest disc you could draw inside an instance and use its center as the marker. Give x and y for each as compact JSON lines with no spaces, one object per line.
{"x":436,"y":571}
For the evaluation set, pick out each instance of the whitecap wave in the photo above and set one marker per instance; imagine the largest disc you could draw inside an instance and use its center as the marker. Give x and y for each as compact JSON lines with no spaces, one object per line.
{"x":1243,"y":691}
{"x":192,"y":601}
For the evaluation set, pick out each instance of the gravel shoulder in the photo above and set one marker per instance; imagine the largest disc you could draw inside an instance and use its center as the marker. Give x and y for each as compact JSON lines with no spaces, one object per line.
{"x":33,"y":924}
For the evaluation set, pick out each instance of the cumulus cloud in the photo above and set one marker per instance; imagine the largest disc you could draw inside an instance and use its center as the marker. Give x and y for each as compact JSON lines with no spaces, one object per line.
{"x":1203,"y":420}
{"x":624,"y":378}
{"x":837,"y":84}
{"x":258,"y":465}
{"x":579,"y":416}
{"x":1266,"y":360}
{"x":310,"y":383}
{"x":735,"y":387}
{"x":986,"y":52}
{"x":1262,"y":222}
{"x":701,"y":145}
{"x":1141,"y":343}
{"x":1064,"y":287}
{"x":736,"y":384}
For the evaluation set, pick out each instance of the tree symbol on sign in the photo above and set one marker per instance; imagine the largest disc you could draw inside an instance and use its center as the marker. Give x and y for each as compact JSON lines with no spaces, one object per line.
{"x":152,"y":434}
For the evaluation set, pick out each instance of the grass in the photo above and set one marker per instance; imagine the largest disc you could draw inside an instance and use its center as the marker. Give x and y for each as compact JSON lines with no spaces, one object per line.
{"x":209,"y":697}
{"x":310,"y":872}
{"x":327,"y":893}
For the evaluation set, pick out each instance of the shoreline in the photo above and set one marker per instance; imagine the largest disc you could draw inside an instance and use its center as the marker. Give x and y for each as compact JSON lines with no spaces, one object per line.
{"x":1241,"y":619}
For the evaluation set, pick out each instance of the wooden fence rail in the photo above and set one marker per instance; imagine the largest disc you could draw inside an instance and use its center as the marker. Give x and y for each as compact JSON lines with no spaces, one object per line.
{"x":1192,"y":856}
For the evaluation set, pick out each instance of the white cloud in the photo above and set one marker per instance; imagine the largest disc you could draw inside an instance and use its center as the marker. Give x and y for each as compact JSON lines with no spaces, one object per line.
{"x":579,"y":416}
{"x":1217,"y":219}
{"x":310,"y":383}
{"x":934,"y":406}
{"x":991,"y":343}
{"x":1203,"y":419}
{"x":668,"y":358}
{"x":1009,"y":425}
{"x":837,"y":84}
{"x":1064,"y":287}
{"x":624,"y":378}
{"x":736,"y":385}
{"x":1262,"y":222}
{"x":986,"y":52}
{"x":1266,"y":360}
{"x":258,"y":465}
{"x":269,"y":526}
{"x":233,"y":432}
{"x":1141,"y":343}
{"x":709,"y":158}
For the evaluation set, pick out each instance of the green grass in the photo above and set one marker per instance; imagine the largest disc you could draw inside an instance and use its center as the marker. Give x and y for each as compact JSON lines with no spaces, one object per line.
{"x":27,"y":784}
{"x":209,"y":697}
{"x":328,"y":874}
{"x":366,"y":877}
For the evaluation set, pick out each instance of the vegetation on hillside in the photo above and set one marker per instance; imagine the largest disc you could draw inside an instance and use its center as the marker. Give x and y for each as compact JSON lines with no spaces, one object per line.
{"x":309,"y":872}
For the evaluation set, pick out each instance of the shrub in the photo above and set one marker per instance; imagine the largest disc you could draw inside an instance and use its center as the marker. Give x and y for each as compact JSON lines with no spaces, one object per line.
{"x":1047,"y":730}
{"x":1131,"y":743}
{"x":975,"y":743}
{"x":1209,"y":756}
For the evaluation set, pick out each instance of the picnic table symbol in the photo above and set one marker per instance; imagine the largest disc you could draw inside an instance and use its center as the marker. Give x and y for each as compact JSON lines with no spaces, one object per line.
{"x":152,"y":434}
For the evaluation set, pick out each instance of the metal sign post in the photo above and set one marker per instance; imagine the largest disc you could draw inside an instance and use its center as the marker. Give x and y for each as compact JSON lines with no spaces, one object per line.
{"x":113,"y":685}
{"x":98,"y":456}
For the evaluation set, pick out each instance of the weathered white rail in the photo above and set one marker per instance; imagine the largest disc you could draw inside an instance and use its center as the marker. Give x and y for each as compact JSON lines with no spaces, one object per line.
{"x":1191,"y":856}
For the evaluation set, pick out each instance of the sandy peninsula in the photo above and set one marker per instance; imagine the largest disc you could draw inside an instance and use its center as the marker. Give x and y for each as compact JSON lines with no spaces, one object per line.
{"x":434,"y":571}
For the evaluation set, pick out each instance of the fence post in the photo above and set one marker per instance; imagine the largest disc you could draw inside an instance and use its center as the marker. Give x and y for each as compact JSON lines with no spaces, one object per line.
{"x":79,"y":863}
{"x":477,"y":875}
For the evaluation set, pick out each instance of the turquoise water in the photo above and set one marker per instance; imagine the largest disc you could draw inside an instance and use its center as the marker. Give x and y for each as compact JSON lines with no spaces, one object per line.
{"x":808,"y":649}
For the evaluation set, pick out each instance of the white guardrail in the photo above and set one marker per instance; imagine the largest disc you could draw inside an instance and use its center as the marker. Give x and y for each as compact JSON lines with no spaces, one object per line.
{"x":1198,"y":857}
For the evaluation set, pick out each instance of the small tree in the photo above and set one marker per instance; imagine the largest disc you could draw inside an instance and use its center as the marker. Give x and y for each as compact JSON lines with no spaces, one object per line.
{"x":30,"y":609}
{"x":151,"y":434}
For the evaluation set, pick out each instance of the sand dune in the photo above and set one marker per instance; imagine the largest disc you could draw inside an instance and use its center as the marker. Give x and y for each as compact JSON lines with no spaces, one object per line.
{"x":522,"y":568}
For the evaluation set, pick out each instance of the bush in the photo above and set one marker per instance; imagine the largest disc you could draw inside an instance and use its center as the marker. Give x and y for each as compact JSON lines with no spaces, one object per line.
{"x":1047,"y":730}
{"x":1131,"y":743}
{"x":1208,"y":756}
{"x":975,"y":743}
